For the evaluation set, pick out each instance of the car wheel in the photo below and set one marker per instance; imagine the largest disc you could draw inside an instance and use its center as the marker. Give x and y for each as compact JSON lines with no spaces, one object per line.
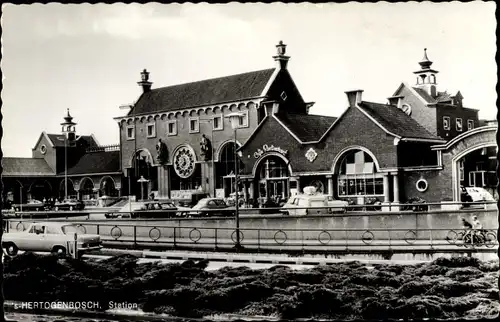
{"x":59,"y":250}
{"x":11,"y":249}
{"x":286,"y":213}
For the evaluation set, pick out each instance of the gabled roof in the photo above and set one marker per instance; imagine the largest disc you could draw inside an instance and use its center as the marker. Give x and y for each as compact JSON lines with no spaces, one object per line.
{"x":16,"y":167}
{"x":97,"y":162}
{"x":205,"y":92}
{"x":424,"y":95}
{"x":307,"y":127}
{"x":58,"y":140}
{"x":395,"y":121}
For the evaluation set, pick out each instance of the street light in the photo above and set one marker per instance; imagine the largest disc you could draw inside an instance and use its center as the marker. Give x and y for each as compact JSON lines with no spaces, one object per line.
{"x":235,"y":118}
{"x":141,"y":181}
{"x":65,"y":165}
{"x":212,"y":152}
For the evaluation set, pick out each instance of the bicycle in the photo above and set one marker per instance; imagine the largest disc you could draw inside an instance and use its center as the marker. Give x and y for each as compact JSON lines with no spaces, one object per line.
{"x":471,"y":238}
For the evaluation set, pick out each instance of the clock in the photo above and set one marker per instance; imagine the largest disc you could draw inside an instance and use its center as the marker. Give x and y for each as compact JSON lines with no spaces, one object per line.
{"x":406,"y":108}
{"x":184,"y":162}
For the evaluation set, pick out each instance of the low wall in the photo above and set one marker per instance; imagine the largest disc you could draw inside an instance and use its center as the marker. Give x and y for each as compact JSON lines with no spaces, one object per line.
{"x":435,"y":225}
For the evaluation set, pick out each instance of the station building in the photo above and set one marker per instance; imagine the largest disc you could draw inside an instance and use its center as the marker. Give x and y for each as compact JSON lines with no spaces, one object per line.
{"x":91,"y":170}
{"x":422,"y":142}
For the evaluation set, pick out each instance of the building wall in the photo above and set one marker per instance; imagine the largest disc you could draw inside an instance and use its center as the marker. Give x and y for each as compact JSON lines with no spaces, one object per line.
{"x":49,"y":156}
{"x":353,"y":129}
{"x":438,"y":181}
{"x":420,"y":112}
{"x":183,"y":136}
{"x":294,"y":102}
{"x":454,"y":112}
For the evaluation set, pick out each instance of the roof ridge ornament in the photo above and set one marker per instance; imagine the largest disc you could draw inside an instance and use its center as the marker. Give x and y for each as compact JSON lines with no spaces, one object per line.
{"x":425,"y":63}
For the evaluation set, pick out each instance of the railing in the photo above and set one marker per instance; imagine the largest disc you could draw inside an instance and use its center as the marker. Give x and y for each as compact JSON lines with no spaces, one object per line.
{"x":328,"y":240}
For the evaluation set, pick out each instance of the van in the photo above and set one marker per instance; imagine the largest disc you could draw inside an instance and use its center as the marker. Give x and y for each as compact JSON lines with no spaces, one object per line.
{"x":311,"y":202}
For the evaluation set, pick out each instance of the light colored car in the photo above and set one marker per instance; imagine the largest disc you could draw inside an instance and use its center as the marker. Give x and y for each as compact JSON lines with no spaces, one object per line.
{"x":49,"y":237}
{"x":312,"y":203}
{"x":479,"y":194}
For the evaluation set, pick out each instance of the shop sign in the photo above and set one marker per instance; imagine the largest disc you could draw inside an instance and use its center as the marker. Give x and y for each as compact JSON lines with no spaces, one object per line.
{"x":269,"y":148}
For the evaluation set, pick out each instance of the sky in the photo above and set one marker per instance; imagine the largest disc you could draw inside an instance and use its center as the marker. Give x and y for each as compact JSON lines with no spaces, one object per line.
{"x":88,"y":58}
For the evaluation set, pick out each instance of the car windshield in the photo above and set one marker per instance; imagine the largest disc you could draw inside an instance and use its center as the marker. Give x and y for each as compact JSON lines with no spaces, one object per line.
{"x":219,"y":202}
{"x":69,"y":229}
{"x":200,"y":204}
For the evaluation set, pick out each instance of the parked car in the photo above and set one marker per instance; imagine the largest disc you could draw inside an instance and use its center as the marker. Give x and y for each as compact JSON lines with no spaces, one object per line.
{"x":69,"y":204}
{"x":310,"y":202}
{"x":200,"y":209}
{"x":156,"y":209}
{"x":49,"y":237}
{"x":32,"y":205}
{"x":479,"y":194}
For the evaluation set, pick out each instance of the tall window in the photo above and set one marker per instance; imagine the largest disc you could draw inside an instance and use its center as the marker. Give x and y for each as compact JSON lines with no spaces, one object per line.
{"x":172,"y":127}
{"x":358,"y":176}
{"x":225,"y":166}
{"x":470,"y":124}
{"x":151,"y":130}
{"x":273,"y":168}
{"x":130,"y":133}
{"x":459,"y":124}
{"x":217,"y":123}
{"x":194,"y":125}
{"x":446,"y":122}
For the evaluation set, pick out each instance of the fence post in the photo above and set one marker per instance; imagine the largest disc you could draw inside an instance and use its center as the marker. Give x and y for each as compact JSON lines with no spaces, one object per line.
{"x":215,"y":238}
{"x":97,"y":228}
{"x":175,"y":241}
{"x":258,"y":240}
{"x":135,"y":236}
{"x":75,"y":246}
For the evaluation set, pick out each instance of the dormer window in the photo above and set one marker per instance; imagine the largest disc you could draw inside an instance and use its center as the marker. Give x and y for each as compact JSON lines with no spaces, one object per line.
{"x":151,"y":130}
{"x":194,"y":125}
{"x":446,"y":122}
{"x":470,"y":124}
{"x":459,"y":124}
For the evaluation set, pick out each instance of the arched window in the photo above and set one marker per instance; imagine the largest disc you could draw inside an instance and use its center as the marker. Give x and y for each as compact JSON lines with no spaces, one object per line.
{"x":87,"y":189}
{"x":225,"y":166}
{"x":272,"y":175}
{"x":358,"y":176}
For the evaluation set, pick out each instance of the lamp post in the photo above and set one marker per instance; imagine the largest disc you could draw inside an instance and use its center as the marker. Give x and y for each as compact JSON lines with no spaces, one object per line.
{"x":212,"y":152}
{"x":65,"y":165}
{"x":141,"y":181}
{"x":235,"y":118}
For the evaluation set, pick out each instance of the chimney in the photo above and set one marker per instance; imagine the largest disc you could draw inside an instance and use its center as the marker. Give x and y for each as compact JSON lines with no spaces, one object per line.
{"x":396,"y":101}
{"x":145,"y":83}
{"x":354,"y":97}
{"x":280,"y":58}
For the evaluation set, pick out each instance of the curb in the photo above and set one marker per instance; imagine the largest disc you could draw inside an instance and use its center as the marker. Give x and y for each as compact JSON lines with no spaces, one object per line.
{"x":251,"y":259}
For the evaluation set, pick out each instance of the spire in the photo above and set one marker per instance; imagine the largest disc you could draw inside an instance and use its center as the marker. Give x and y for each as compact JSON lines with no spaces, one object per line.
{"x":425,"y":63}
{"x":68,"y":119}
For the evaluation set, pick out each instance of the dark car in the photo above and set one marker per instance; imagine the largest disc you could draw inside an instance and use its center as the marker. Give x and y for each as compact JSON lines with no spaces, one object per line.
{"x":69,"y":204}
{"x":211,"y":204}
{"x":32,"y":205}
{"x":156,"y":209}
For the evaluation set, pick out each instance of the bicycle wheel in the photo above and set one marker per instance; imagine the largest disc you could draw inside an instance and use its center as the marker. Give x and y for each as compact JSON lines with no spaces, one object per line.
{"x":491,"y":239}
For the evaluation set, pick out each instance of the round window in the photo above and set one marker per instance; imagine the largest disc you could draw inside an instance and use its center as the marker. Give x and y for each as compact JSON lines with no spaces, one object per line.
{"x":422,"y":185}
{"x":43,"y":149}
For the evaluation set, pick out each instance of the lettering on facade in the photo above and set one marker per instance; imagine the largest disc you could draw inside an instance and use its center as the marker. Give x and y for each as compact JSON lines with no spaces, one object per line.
{"x":269,"y":148}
